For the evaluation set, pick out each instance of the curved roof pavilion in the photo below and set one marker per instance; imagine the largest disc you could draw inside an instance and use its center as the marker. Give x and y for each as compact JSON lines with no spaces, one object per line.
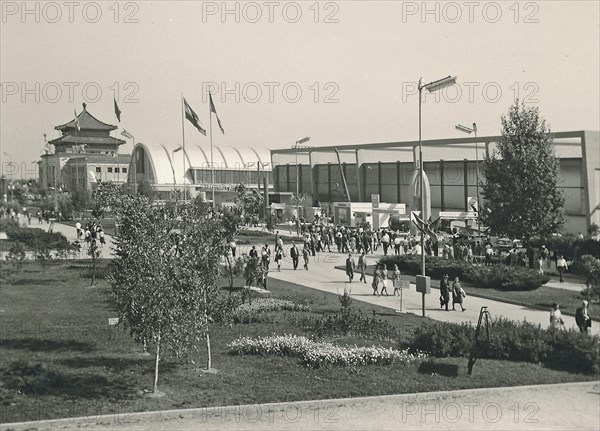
{"x":164,"y":163}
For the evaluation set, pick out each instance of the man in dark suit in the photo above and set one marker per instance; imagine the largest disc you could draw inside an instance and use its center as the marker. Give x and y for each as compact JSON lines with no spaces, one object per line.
{"x":350,"y":267}
{"x":444,"y":291}
{"x":582,"y":317}
{"x":295,"y":255}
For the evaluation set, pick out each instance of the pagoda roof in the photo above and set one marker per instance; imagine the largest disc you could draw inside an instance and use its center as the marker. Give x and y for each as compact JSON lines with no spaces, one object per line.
{"x":86,"y":140}
{"x":86,"y":122}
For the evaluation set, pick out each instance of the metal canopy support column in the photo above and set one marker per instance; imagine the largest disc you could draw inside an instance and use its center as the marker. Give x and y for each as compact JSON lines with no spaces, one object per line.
{"x":379,"y":180}
{"x":329,"y":182}
{"x":466,"y":183}
{"x":300,"y":176}
{"x":287,"y":175}
{"x":442,"y":176}
{"x":398,"y":179}
{"x":358,"y":176}
{"x":311,"y":178}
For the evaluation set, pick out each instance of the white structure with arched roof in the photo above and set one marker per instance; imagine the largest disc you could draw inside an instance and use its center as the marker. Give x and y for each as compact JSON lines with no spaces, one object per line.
{"x":167,"y":167}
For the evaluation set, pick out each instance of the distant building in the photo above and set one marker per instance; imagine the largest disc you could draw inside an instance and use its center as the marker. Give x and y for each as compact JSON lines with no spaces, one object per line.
{"x":84,"y":155}
{"x":168,"y":168}
{"x":387,"y":169}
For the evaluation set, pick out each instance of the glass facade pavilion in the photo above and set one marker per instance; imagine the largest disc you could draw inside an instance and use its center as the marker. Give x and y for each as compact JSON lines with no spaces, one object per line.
{"x":450,"y":164}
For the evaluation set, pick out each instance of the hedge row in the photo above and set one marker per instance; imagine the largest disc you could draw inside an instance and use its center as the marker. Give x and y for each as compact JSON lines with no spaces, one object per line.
{"x":501,"y":277}
{"x":514,"y":341}
{"x":34,"y":238}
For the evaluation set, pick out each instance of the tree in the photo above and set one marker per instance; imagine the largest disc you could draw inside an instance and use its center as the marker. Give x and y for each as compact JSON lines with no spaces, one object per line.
{"x":250,"y":201}
{"x":521,"y":197}
{"x":106,"y":195}
{"x":589,"y":267}
{"x":166,"y":273}
{"x":81,"y":199}
{"x":144,"y":188}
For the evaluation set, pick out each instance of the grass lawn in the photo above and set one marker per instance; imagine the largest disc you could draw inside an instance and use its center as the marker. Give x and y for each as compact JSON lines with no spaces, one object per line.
{"x":60,"y":358}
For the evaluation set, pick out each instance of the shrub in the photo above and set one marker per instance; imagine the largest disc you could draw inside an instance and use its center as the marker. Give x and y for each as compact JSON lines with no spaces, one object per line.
{"x":34,"y":238}
{"x":250,"y":311}
{"x":514,"y":341}
{"x":499,"y":277}
{"x":353,"y":324}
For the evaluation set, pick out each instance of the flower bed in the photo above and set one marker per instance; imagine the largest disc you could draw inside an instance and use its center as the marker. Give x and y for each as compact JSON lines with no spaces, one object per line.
{"x":320,"y":354}
{"x":250,"y":310}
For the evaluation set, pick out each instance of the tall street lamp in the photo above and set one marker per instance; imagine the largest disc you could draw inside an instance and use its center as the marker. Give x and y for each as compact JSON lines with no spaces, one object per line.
{"x":431,"y":87}
{"x":469,"y":130}
{"x":298,"y":142}
{"x":173,"y":168}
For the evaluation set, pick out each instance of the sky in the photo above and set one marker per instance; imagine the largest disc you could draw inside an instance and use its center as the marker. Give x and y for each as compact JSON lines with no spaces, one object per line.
{"x":342,"y":72}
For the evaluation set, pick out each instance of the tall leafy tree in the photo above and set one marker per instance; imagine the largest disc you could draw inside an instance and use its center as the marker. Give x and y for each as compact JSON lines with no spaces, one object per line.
{"x":521,"y":195}
{"x":81,"y":199}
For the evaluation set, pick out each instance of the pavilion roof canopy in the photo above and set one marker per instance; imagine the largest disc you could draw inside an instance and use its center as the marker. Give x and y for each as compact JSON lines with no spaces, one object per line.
{"x":86,"y":122}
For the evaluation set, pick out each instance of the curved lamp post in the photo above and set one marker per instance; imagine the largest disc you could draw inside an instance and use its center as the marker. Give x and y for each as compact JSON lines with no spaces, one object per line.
{"x":431,"y":87}
{"x":469,"y":130}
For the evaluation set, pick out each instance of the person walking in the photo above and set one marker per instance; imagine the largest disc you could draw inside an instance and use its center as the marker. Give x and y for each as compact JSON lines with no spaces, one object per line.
{"x":445,"y":291}
{"x":384,"y":280}
{"x":458,"y":294}
{"x":561,"y":267}
{"x":556,"y":320}
{"x":306,"y":255}
{"x":350,"y":267}
{"x":375,"y":284}
{"x":266,"y":256}
{"x":278,"y":257}
{"x":362,"y":267}
{"x":396,"y":276}
{"x":295,"y":255}
{"x":582,"y":317}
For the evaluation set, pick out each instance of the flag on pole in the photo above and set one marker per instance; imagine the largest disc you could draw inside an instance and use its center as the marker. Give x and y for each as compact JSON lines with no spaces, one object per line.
{"x":213,"y":109}
{"x":76,"y":120}
{"x":193,"y":117}
{"x":126,"y":134}
{"x":117,"y":110}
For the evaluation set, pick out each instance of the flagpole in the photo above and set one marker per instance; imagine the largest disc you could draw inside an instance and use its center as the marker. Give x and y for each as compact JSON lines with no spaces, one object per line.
{"x":116,"y":144}
{"x":212,"y":166}
{"x":183,"y":144}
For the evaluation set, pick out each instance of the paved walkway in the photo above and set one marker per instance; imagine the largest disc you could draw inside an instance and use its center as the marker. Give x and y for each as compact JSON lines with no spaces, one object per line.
{"x":571,"y":406}
{"x":322,"y":275}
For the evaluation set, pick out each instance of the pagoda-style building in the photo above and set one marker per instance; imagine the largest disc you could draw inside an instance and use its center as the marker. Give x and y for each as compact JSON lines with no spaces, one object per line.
{"x":84,"y":155}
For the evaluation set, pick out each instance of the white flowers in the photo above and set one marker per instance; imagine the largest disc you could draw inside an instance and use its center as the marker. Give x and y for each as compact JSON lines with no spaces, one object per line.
{"x":320,"y":354}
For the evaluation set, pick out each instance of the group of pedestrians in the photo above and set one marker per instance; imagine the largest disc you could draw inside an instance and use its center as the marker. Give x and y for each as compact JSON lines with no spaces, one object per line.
{"x":583,"y":320}
{"x":455,"y":291}
{"x":92,"y":233}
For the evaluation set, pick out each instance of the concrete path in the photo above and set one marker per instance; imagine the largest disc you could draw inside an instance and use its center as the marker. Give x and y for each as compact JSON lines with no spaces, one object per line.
{"x":571,"y":406}
{"x":322,"y":275}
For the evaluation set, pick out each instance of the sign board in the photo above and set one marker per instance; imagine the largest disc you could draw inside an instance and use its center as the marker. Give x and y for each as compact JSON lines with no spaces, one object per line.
{"x":423,"y":284}
{"x":112,"y":321}
{"x":458,"y":215}
{"x":401,"y":284}
{"x":375,"y":200}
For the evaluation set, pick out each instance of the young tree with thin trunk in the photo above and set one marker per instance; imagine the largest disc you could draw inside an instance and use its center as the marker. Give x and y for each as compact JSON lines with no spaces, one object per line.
{"x":166,"y":274}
